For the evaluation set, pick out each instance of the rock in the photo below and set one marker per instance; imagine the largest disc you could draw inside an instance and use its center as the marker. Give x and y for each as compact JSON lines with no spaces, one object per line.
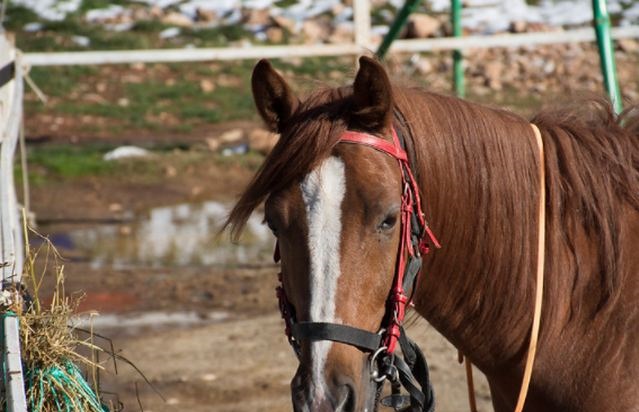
{"x":257,"y":17}
{"x":232,"y":136}
{"x":262,"y":140}
{"x":156,"y":12}
{"x":176,"y":19}
{"x":518,"y":26}
{"x":493,"y":74}
{"x":170,"y":171}
{"x":205,"y":16}
{"x":314,"y":32}
{"x":422,"y":25}
{"x":209,"y":377}
{"x":275,"y":35}
{"x":628,"y":45}
{"x":138,"y":66}
{"x":212,"y":143}
{"x":207,"y":86}
{"x":422,"y":66}
{"x":287,"y":24}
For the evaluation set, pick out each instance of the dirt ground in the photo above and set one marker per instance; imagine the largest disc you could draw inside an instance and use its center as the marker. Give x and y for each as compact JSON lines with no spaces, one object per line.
{"x":224,"y":348}
{"x":235,"y":358}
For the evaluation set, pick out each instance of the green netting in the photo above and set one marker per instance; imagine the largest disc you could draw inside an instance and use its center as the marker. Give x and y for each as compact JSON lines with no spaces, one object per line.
{"x":60,"y":389}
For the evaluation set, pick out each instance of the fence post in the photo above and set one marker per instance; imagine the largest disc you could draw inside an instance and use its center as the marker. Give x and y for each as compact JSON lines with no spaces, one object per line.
{"x":397,"y":25}
{"x":11,"y":246}
{"x":362,"y":21}
{"x":458,"y":59}
{"x":606,"y":53}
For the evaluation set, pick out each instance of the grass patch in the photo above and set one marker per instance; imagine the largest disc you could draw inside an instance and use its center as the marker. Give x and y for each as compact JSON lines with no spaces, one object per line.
{"x":60,"y":81}
{"x":69,"y":161}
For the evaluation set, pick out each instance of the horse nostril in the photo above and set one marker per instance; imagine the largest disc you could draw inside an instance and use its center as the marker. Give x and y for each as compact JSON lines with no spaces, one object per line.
{"x":345,"y":399}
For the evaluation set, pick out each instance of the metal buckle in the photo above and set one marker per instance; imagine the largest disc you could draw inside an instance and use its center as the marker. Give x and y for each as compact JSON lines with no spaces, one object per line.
{"x":391,"y":373}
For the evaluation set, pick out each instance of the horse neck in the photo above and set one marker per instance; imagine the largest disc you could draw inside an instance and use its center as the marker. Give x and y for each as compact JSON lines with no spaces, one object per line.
{"x":478,"y":172}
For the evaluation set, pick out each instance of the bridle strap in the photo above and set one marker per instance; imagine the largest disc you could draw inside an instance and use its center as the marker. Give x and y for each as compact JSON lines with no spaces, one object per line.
{"x":539,"y":291}
{"x":316,"y":331}
{"x":394,"y":149}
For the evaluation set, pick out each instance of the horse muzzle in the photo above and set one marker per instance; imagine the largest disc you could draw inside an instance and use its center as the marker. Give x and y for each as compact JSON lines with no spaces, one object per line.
{"x":339,"y":395}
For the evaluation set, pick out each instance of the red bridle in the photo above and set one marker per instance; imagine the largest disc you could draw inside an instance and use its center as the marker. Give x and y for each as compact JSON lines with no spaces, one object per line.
{"x":411,"y":206}
{"x":415,"y":238}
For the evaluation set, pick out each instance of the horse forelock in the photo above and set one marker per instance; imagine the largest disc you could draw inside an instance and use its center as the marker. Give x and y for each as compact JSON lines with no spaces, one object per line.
{"x":309,"y":138}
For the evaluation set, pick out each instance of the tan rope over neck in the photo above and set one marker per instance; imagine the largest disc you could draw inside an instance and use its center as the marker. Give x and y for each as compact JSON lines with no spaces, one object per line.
{"x":539,"y":292}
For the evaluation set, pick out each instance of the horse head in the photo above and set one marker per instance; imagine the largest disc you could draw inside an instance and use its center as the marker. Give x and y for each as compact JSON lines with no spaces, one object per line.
{"x":336,"y":210}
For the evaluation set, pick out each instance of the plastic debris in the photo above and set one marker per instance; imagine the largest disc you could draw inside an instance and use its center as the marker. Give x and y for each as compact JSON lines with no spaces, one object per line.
{"x":124,"y":152}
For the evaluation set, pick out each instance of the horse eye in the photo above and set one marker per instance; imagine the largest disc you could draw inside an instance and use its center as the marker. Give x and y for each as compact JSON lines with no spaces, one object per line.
{"x":388,"y":222}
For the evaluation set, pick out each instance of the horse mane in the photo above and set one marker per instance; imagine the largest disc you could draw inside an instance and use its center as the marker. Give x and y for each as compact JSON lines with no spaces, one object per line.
{"x":593,"y":164}
{"x":592,"y":159}
{"x":311,"y":134}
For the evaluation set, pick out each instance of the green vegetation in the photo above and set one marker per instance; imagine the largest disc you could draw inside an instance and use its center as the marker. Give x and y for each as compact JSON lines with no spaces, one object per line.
{"x":68,"y":160}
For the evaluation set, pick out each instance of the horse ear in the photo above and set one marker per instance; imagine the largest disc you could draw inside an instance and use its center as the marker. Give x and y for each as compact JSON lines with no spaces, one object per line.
{"x":273,"y":97}
{"x":372,"y":95}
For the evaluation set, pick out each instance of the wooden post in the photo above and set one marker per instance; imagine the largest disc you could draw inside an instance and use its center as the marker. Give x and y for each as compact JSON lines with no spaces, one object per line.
{"x":362,"y":21}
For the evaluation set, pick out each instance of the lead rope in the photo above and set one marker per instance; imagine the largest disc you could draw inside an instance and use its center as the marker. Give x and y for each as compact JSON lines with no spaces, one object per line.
{"x":539,"y":292}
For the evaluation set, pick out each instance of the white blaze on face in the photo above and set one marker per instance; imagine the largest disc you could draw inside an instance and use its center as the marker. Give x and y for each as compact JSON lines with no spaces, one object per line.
{"x":323,"y":192}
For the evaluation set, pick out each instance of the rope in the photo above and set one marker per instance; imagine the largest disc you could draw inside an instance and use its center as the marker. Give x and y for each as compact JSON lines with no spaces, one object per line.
{"x":62,"y":386}
{"x":539,"y":292}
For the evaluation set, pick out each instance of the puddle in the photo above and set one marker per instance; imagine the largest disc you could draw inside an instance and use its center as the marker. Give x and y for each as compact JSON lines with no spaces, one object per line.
{"x":153,"y":320}
{"x":182,"y":235}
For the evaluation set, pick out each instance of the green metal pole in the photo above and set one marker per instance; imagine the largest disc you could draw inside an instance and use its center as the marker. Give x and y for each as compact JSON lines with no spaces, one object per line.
{"x":458,"y":59}
{"x":606,"y":53}
{"x":396,"y":27}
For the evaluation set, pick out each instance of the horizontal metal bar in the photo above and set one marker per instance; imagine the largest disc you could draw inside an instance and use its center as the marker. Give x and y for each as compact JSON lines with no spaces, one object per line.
{"x":187,"y":55}
{"x":257,"y":52}
{"x":508,"y":40}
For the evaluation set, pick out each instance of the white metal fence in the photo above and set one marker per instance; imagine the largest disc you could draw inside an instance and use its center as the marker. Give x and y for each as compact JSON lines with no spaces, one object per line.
{"x":11,"y":240}
{"x":361,"y":44}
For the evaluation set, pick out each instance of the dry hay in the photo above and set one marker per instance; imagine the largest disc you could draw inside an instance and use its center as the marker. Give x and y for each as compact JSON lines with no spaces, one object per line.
{"x":51,"y":345}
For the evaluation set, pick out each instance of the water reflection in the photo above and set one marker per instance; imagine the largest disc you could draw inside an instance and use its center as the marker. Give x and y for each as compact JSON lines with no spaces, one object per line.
{"x":175,"y":236}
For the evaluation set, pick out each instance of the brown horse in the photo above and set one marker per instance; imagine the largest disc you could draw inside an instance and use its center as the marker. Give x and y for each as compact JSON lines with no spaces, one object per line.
{"x":335,"y":210}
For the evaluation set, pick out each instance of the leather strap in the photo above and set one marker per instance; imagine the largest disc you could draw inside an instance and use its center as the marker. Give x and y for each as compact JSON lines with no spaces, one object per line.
{"x":539,"y":292}
{"x":382,"y":145}
{"x":336,"y":332}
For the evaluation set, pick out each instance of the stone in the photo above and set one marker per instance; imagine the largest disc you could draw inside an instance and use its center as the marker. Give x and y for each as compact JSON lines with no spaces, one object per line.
{"x":423,"y":66}
{"x":212,"y":144}
{"x":177,"y":19}
{"x":421,"y":25}
{"x":313,"y":32}
{"x":232,"y":136}
{"x":493,"y":74}
{"x":205,"y":16}
{"x":207,"y":86}
{"x":518,"y":26}
{"x":262,"y":140}
{"x":258,"y":17}
{"x":287,"y":24}
{"x":275,"y":35}
{"x":628,"y":45}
